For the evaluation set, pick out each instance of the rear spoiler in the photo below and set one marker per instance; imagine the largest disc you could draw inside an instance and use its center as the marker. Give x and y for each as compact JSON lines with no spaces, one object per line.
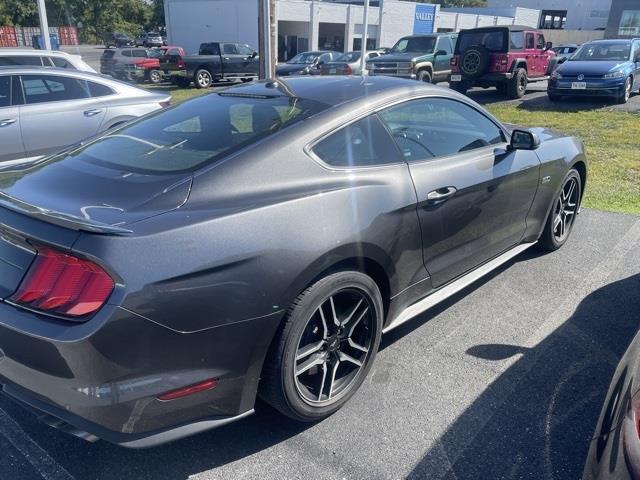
{"x":62,"y":219}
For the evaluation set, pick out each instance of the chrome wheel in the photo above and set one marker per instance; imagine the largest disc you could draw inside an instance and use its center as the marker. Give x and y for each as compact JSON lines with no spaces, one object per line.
{"x":334,"y":347}
{"x":627,"y":90}
{"x":203,"y":79}
{"x":154,"y":76}
{"x":565,"y":209}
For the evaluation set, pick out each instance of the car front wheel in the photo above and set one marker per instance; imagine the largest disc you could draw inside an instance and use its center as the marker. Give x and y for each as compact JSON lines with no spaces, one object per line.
{"x":424,"y":76}
{"x":203,"y":78}
{"x":517,"y":87}
{"x":325,"y":347}
{"x":563,"y":213}
{"x":626,"y":93}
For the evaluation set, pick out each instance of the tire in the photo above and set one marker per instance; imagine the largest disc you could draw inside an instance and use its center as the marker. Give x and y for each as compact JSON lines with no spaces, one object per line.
{"x":460,"y":87}
{"x":626,"y":94}
{"x":203,"y":78}
{"x":556,"y":230}
{"x":183,"y":82}
{"x":475,"y":61}
{"x":246,"y":80}
{"x":424,"y":76}
{"x":154,"y":76}
{"x":517,"y":86}
{"x":318,"y":391}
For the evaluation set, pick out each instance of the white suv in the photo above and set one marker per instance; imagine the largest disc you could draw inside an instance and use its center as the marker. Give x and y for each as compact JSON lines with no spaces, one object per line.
{"x":11,"y":57}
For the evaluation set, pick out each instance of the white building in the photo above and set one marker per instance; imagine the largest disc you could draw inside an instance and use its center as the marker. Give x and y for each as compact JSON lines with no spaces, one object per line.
{"x":564,"y":14}
{"x":308,"y":25}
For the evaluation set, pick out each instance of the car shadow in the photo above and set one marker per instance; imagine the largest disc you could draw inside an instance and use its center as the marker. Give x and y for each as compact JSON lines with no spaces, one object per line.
{"x":537,"y":418}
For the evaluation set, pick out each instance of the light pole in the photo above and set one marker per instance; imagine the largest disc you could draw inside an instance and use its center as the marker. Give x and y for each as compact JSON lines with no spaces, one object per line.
{"x":266,"y":29}
{"x":44,"y":24}
{"x":365,"y":30}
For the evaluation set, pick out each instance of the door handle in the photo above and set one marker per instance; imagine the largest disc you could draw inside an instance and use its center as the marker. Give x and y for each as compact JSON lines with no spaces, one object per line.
{"x":7,"y":121}
{"x":441,"y":195}
{"x":91,"y":113}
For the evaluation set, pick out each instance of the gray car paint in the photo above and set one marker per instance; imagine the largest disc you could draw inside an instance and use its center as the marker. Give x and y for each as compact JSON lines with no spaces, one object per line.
{"x":203,"y":284}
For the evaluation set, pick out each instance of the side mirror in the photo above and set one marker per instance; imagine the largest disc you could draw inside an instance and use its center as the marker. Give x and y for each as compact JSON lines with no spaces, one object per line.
{"x":254,"y":54}
{"x":548,"y":46}
{"x":320,"y":62}
{"x":439,"y":53}
{"x":524,"y":140}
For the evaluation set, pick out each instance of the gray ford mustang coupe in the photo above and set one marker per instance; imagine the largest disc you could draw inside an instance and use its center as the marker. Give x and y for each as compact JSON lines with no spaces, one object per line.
{"x":258,"y":241}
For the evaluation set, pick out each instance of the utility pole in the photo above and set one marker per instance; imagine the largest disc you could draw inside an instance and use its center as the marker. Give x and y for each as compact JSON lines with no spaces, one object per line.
{"x":44,"y":24}
{"x":365,"y":30}
{"x":267,"y":44}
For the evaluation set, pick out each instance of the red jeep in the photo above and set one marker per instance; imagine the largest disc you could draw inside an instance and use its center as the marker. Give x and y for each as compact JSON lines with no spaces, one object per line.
{"x":507,"y":57}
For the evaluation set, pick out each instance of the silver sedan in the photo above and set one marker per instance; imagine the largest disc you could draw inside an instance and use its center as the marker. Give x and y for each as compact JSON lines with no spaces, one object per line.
{"x":43,"y":111}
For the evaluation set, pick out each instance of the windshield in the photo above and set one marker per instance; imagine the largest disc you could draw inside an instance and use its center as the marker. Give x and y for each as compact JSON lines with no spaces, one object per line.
{"x":349,"y":57}
{"x":492,"y":40}
{"x":306,"y":58}
{"x":603,"y":51}
{"x":415,"y":44}
{"x":194,"y":133}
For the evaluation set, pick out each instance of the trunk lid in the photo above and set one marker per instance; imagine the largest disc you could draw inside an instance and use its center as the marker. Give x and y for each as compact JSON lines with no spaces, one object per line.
{"x":77,"y":194}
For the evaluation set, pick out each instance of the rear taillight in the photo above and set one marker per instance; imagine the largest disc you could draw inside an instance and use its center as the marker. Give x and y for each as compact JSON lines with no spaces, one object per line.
{"x":454,"y":61}
{"x":181,"y":64}
{"x":61,"y":284}
{"x":347,"y":70}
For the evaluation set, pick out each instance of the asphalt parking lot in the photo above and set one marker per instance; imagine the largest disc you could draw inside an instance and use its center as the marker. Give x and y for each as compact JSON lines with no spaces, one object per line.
{"x":505,"y":380}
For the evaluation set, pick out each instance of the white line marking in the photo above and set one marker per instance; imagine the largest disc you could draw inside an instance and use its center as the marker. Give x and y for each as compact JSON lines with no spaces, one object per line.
{"x":46,"y":466}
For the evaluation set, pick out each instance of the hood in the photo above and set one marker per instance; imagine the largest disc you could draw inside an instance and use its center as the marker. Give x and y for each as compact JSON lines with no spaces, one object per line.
{"x":589,"y":67}
{"x":292,"y":67}
{"x":397,"y":57}
{"x":88,"y":196}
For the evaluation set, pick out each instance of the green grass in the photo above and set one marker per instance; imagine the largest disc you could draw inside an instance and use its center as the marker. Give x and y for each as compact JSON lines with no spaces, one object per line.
{"x":612,"y":141}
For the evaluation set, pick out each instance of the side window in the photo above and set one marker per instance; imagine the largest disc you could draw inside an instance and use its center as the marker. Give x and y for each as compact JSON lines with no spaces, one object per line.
{"x":372,"y":55}
{"x":5,"y":91}
{"x":517,"y":40}
{"x":139,"y":53}
{"x":229,"y":49}
{"x":50,"y":88}
{"x":245,"y":50}
{"x":541,"y":42}
{"x":21,"y":60}
{"x":437,"y":127}
{"x":173,"y":52}
{"x":126,"y":53}
{"x":529,"y":40}
{"x":361,"y":144}
{"x":210,"y":49}
{"x":444,"y":43}
{"x":99,"y":90}
{"x":61,"y":63}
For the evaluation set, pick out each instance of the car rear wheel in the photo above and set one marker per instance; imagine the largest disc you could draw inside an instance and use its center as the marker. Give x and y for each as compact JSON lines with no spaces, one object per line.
{"x":626,"y":93}
{"x":517,"y":87}
{"x":203,"y":78}
{"x":155,"y":76}
{"x":325,"y":347}
{"x":424,"y":76}
{"x":563,"y":213}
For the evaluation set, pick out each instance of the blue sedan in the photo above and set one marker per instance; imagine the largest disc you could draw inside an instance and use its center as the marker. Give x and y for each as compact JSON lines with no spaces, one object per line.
{"x":606,"y":68}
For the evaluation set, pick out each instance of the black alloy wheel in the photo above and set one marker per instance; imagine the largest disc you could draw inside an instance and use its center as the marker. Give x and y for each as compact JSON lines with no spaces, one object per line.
{"x":325,"y":348}
{"x":563,"y":213}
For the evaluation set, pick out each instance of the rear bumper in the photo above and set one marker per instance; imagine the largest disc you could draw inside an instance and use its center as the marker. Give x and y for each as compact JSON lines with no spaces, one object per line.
{"x":101,"y":379}
{"x":484,"y":79}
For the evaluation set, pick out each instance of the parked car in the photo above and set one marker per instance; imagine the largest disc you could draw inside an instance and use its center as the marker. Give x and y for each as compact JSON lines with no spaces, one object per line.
{"x":118,"y":40}
{"x":145,"y":69}
{"x":614,"y":451}
{"x":602,"y":68}
{"x":215,"y":61}
{"x":421,"y":57}
{"x":306,"y":63}
{"x":149,"y":39}
{"x":507,"y":57}
{"x":50,"y":109}
{"x":42,"y":58}
{"x":347,"y":63}
{"x":373,"y":202}
{"x":565,"y":51}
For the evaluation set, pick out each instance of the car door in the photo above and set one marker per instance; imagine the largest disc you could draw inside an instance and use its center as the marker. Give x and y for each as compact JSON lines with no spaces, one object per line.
{"x":58,"y":111}
{"x":234,"y":63}
{"x":11,"y":144}
{"x":531,"y":54}
{"x":542,"y":56}
{"x":635,"y":58}
{"x":473,"y":192}
{"x":442,"y":62}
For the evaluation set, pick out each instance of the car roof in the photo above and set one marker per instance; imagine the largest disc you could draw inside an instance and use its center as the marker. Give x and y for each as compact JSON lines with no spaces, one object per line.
{"x":614,"y":40}
{"x":27,"y":69}
{"x":335,"y":90}
{"x":513,"y":28}
{"x":31,"y":52}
